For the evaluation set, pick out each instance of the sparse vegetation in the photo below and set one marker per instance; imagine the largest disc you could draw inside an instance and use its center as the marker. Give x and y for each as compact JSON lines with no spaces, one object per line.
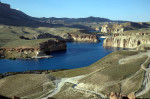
{"x":67,"y":92}
{"x":108,"y":75}
{"x":25,"y":85}
{"x":103,"y":63}
{"x":10,"y":35}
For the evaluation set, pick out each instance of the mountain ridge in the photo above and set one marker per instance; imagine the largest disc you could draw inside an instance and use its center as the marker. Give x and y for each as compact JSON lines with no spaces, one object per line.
{"x":10,"y":16}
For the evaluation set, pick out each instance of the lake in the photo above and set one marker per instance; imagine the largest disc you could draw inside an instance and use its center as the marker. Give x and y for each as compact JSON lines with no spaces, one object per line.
{"x":77,"y":55}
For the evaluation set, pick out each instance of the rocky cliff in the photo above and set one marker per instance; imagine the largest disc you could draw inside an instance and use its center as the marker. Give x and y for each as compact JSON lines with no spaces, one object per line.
{"x":44,"y":48}
{"x":112,"y":28}
{"x":120,"y":28}
{"x":127,"y":40}
{"x":80,"y":38}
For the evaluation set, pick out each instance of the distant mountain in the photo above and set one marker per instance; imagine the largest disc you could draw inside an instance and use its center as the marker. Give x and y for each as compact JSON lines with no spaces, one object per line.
{"x":7,"y":13}
{"x":9,"y":16}
{"x":77,"y":20}
{"x":72,"y":20}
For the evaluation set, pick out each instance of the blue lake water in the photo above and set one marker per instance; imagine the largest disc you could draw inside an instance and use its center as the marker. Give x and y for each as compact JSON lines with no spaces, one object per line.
{"x":77,"y":55}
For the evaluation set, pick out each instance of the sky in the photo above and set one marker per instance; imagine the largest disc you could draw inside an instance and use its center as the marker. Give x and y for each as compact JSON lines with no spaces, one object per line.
{"x":127,"y":10}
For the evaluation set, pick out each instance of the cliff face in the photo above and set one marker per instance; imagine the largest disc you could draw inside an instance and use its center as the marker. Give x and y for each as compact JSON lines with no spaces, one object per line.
{"x":44,"y":48}
{"x":120,"y":28}
{"x":112,"y":28}
{"x":127,"y":40}
{"x":70,"y":37}
{"x":51,"y":45}
{"x":81,"y":38}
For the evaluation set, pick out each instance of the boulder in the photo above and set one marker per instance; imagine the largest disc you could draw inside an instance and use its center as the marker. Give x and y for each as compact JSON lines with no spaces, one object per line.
{"x":113,"y":95}
{"x":131,"y":95}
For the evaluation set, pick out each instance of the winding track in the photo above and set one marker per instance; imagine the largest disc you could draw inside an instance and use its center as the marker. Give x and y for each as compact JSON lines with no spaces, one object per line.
{"x":73,"y":80}
{"x":146,"y":82}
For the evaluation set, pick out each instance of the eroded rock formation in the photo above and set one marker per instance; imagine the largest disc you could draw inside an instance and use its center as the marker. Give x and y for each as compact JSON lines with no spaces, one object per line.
{"x":131,"y":95}
{"x":133,"y":40}
{"x":112,"y":28}
{"x":69,"y":37}
{"x":32,"y":52}
{"x":113,"y":95}
{"x":81,"y":38}
{"x":120,"y":28}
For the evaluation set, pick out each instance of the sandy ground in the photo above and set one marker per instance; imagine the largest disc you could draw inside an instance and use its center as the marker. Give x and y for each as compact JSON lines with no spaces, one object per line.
{"x":22,"y":85}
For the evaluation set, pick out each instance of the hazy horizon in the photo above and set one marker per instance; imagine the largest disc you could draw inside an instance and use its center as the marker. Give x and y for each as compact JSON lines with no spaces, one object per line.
{"x":126,"y":10}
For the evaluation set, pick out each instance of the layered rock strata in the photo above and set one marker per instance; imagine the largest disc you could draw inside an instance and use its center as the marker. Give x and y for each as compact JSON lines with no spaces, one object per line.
{"x":120,"y":28}
{"x":112,"y":28}
{"x":133,"y":40}
{"x":80,"y":38}
{"x":44,"y":48}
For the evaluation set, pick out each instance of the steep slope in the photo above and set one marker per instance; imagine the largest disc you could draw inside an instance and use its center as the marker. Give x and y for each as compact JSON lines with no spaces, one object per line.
{"x":9,"y":16}
{"x":7,"y":13}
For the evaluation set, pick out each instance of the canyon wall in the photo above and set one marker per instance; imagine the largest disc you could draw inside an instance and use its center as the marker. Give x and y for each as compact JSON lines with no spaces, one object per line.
{"x":44,"y":48}
{"x":52,"y":45}
{"x":112,"y":28}
{"x":80,"y":38}
{"x":133,"y":40}
{"x":120,"y":28}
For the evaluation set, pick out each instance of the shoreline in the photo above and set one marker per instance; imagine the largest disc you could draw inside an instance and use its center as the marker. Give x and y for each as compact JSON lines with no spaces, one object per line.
{"x":3,"y":75}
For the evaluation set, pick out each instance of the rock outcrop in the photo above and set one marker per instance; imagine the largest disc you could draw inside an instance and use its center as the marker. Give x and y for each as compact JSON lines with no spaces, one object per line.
{"x":69,"y":37}
{"x":52,"y":45}
{"x":133,"y":40}
{"x":80,"y":38}
{"x":120,"y":28}
{"x":113,"y":95}
{"x":116,"y":28}
{"x":131,"y":95}
{"x":44,"y":48}
{"x":46,"y":35}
